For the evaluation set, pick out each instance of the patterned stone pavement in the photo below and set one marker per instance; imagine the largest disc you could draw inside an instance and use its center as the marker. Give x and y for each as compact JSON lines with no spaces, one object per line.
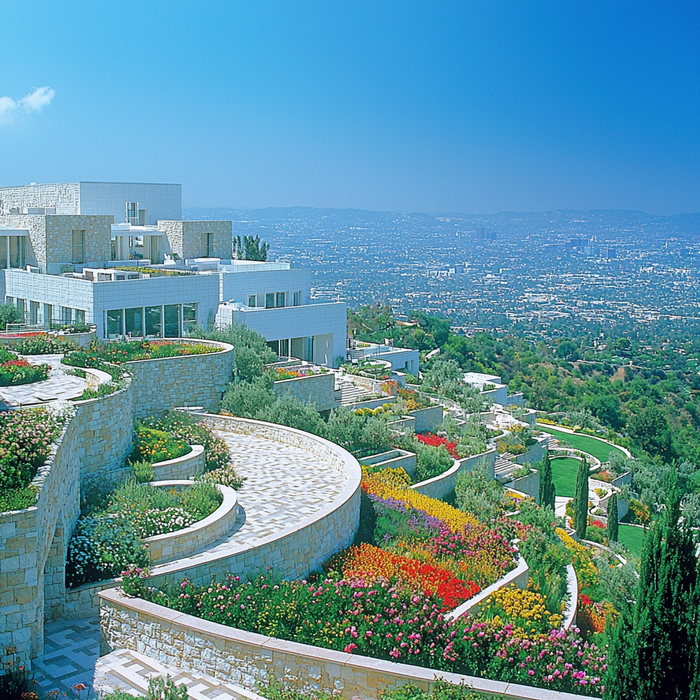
{"x":59,"y":385}
{"x":284,"y":486}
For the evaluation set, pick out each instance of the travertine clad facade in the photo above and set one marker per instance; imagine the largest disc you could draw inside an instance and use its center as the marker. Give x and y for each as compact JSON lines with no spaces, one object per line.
{"x":317,"y":389}
{"x":51,"y":239}
{"x":189,"y":238}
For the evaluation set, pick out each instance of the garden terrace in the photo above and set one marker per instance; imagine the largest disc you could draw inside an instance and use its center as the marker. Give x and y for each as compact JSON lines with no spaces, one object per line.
{"x":120,"y":351}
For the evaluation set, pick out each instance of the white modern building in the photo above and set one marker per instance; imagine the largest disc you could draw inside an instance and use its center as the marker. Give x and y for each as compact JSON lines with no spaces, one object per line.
{"x":492,"y":389}
{"x":101,"y":253}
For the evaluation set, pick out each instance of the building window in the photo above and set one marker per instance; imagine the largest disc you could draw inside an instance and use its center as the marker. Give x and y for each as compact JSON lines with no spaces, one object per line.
{"x":33,"y":312}
{"x":132,"y":213}
{"x":270,"y":300}
{"x":48,"y":315}
{"x":80,"y":317}
{"x":280,"y":300}
{"x":66,"y":315}
{"x":114,"y":323}
{"x":284,"y":347}
{"x":189,"y":318}
{"x":297,"y":298}
{"x":3,"y":252}
{"x":133,"y":322}
{"x":209,"y":242}
{"x":251,"y":301}
{"x":78,"y":247}
{"x":171,"y":321}
{"x":153,"y":321}
{"x":17,"y":244}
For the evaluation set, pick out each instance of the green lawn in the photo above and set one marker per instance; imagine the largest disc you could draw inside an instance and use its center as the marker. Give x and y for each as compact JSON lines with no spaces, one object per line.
{"x":564,"y":475}
{"x":598,"y":449}
{"x":632,"y":538}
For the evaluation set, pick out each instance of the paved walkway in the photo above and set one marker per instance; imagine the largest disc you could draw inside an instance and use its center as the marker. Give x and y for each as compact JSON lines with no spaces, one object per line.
{"x":59,"y":385}
{"x":284,"y":486}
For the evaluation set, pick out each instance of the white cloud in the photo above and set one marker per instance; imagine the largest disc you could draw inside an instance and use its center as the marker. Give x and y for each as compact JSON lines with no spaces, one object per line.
{"x":33,"y":102}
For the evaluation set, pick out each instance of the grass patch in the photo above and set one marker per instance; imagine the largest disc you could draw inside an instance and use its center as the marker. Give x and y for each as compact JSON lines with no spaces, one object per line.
{"x":601,"y":450}
{"x":564,"y":472}
{"x":632,"y":538}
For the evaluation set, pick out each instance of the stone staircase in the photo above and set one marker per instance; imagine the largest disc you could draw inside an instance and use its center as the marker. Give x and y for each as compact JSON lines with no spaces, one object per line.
{"x":130,"y":671}
{"x":505,"y":465}
{"x":347,"y":393}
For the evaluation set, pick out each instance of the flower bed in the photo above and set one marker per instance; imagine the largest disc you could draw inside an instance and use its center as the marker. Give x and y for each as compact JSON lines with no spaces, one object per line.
{"x":119,"y":351}
{"x":43,"y":345}
{"x":16,"y":370}
{"x":109,"y":538}
{"x":153,"y":445}
{"x":25,"y":443}
{"x":437,"y":441}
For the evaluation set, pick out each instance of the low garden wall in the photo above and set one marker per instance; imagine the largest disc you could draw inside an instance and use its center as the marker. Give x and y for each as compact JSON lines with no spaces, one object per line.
{"x":395,"y":459}
{"x":181,"y":467}
{"x":372,"y":403}
{"x":184,"y":380}
{"x":534,"y":454}
{"x":199,"y":536}
{"x":427,"y":419}
{"x":33,"y":549}
{"x":528,"y":484}
{"x":243,"y":658}
{"x":441,"y":486}
{"x":317,"y":389}
{"x":403,"y":423}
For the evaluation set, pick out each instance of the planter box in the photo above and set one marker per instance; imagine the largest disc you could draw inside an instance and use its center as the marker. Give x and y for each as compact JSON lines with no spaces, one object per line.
{"x":393,"y":458}
{"x":317,"y":389}
{"x":427,"y":419}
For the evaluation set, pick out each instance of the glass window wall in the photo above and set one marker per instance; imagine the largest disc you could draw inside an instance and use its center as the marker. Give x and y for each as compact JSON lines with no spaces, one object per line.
{"x":171,"y":321}
{"x":133,"y":322}
{"x":154,"y":321}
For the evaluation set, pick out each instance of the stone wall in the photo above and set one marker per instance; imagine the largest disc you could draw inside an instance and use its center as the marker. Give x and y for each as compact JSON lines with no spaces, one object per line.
{"x":188,"y":238}
{"x":33,"y":551}
{"x":199,"y":536}
{"x":394,"y":459}
{"x":317,"y":389}
{"x":534,"y":454}
{"x":441,"y":486}
{"x":183,"y":467}
{"x":186,"y":380}
{"x":529,"y":484}
{"x":427,"y":419}
{"x":243,"y":658}
{"x":105,"y":427}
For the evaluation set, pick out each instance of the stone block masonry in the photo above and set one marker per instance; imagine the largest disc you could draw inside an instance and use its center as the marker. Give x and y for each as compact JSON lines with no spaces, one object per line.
{"x":185,"y":380}
{"x":33,"y":545}
{"x":243,"y":658}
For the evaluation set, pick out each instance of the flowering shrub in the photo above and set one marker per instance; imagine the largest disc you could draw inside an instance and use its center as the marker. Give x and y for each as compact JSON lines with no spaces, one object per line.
{"x":436,"y":441}
{"x":118,"y":351}
{"x":592,"y":616}
{"x":109,"y":541}
{"x":25,"y":443}
{"x":182,"y":426}
{"x":604,"y":475}
{"x":151,"y":445}
{"x":43,"y":345}
{"x":582,"y":560}
{"x":392,"y":622}
{"x":524,"y":609}
{"x":640,"y":512}
{"x":16,"y":370}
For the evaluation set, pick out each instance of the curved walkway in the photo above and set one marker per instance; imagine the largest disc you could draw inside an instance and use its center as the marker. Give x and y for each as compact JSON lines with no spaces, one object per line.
{"x":284,"y":486}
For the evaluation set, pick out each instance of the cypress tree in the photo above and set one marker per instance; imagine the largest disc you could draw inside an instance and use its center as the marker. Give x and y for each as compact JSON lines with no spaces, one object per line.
{"x":613,"y":526}
{"x":547,"y":491}
{"x":581,"y":500}
{"x":654,"y":650}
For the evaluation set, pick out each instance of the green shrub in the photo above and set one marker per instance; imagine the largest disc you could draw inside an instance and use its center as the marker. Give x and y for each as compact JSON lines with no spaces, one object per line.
{"x":273,"y":689}
{"x":17,"y":499}
{"x":43,"y":345}
{"x":9,"y":313}
{"x":143,"y":471}
{"x":17,"y":683}
{"x":159,"y":688}
{"x":15,"y":370}
{"x":442,"y":691}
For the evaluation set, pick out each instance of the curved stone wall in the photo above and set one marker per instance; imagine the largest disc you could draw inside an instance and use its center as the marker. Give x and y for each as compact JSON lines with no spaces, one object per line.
{"x":185,"y":380}
{"x":33,"y":546}
{"x":181,"y":467}
{"x":243,"y":658}
{"x":196,"y":538}
{"x":441,"y":486}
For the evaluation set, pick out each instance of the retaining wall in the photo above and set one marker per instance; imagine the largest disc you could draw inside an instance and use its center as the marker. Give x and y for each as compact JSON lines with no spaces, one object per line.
{"x":441,"y":486}
{"x":393,"y":458}
{"x":317,"y":389}
{"x":33,"y":549}
{"x":529,"y":484}
{"x":244,"y":657}
{"x":427,"y":419}
{"x":185,"y":380}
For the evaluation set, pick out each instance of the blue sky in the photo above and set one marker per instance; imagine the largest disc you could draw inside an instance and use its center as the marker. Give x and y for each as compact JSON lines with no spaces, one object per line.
{"x":472,"y":106}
